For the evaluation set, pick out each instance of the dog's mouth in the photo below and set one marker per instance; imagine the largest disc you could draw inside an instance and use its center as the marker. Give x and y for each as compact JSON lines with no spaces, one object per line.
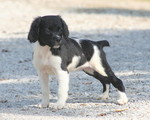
{"x":56,"y":46}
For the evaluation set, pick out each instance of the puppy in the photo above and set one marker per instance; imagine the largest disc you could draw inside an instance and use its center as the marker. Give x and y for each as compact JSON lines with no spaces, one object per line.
{"x":56,"y":53}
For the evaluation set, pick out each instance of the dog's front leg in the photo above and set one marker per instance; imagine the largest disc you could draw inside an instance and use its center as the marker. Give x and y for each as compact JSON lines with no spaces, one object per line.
{"x":63,"y":87}
{"x":44,"y":80}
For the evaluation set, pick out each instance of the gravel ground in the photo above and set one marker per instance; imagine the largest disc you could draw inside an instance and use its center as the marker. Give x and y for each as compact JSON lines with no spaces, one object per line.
{"x":126,"y":25}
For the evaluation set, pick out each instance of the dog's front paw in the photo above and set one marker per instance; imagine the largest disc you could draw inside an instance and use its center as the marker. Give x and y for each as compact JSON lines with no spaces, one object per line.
{"x":58,"y":105}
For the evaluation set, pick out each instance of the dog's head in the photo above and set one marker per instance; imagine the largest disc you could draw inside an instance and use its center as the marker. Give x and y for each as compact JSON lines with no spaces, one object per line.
{"x":48,"y":30}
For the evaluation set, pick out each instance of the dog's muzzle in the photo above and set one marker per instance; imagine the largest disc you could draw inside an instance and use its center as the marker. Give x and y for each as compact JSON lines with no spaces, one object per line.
{"x":58,"y":41}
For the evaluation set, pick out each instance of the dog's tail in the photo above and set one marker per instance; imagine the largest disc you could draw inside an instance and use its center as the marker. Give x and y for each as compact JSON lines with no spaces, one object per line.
{"x":103,"y":43}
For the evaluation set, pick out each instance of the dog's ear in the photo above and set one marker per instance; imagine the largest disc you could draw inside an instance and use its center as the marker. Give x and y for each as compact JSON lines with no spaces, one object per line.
{"x":34,"y":30}
{"x":64,"y":29}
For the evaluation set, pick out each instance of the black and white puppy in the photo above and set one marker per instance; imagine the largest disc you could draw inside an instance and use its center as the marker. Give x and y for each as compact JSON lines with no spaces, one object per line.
{"x":56,"y":53}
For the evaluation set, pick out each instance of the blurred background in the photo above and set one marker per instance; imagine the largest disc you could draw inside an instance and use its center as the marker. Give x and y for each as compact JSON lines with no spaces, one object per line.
{"x":80,"y":15}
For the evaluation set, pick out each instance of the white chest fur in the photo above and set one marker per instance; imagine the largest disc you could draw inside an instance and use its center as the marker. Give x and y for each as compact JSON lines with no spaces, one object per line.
{"x":44,"y":60}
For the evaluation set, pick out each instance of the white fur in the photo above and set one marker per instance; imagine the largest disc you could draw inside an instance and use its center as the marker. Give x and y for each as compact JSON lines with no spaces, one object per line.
{"x":89,"y":70}
{"x":95,"y":62}
{"x":63,"y":88}
{"x":44,"y":61}
{"x":74,"y":63}
{"x":122,"y":98}
{"x":105,"y":95}
{"x":45,"y":88}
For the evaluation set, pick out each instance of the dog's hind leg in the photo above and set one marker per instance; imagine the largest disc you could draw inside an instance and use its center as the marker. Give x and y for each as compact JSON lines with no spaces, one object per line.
{"x":104,"y":80}
{"x":109,"y":77}
{"x":100,"y":65}
{"x":118,"y":84}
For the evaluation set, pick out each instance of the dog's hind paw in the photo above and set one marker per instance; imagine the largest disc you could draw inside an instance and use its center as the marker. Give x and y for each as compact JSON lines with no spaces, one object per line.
{"x":123,"y":98}
{"x":122,"y":101}
{"x":104,"y":96}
